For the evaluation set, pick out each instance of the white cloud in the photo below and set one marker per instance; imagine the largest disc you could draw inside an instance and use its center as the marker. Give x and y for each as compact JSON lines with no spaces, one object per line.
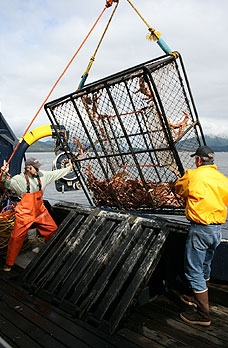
{"x":40,"y":37}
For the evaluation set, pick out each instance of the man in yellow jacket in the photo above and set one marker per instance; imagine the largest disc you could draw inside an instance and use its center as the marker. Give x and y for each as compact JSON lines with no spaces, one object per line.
{"x":206,"y":192}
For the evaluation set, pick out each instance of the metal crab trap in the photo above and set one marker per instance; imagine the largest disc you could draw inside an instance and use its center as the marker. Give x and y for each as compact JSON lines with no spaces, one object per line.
{"x":132,"y":134}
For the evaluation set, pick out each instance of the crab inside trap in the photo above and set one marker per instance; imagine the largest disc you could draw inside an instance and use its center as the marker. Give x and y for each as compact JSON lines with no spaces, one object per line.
{"x":131,"y":134}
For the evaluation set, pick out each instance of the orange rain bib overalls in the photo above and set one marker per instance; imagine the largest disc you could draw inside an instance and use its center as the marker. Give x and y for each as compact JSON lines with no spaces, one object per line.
{"x":30,"y":210}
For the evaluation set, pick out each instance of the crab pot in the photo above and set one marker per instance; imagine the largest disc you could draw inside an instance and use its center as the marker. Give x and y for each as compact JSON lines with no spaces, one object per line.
{"x":132,"y":133}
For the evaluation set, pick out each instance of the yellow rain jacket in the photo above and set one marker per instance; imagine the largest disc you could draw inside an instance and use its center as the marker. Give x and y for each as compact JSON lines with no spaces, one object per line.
{"x":206,"y":192}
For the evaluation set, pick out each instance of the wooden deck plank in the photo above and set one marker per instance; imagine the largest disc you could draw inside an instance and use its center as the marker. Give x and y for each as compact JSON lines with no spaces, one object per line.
{"x":179,"y":331}
{"x":220,"y":312}
{"x":71,"y":334}
{"x":161,"y":317}
{"x":14,"y":336}
{"x":92,"y":336}
{"x":29,"y":328}
{"x":141,"y":339}
{"x":36,"y":326}
{"x":219,"y":318}
{"x":154,"y":325}
{"x":154,"y":335}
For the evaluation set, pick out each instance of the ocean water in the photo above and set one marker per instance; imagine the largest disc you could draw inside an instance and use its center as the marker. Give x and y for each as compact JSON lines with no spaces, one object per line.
{"x":46,"y":158}
{"x":50,"y":193}
{"x":53,"y":196}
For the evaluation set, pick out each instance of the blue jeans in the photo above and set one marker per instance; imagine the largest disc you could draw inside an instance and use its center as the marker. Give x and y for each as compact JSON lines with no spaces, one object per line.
{"x":201,"y":243}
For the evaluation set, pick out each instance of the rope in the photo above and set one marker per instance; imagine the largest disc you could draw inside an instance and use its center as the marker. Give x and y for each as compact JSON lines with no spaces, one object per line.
{"x":142,"y":165}
{"x":55,"y":84}
{"x":126,"y":113}
{"x":7,"y":218}
{"x":102,"y":37}
{"x":108,"y":3}
{"x":155,"y":35}
{"x":92,"y":59}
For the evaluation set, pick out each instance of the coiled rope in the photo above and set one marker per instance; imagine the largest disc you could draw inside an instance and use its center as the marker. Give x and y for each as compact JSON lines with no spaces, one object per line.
{"x":7,"y":218}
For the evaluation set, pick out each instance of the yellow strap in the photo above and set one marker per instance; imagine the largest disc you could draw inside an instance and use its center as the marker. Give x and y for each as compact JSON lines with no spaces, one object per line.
{"x":92,"y":59}
{"x":138,"y":13}
{"x":154,"y":35}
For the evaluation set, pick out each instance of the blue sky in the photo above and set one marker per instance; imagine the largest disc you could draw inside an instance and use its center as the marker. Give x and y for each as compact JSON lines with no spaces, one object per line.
{"x":39,"y":37}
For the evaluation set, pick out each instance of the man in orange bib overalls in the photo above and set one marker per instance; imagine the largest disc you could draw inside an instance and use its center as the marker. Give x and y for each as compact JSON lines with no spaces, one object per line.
{"x":29,"y":186}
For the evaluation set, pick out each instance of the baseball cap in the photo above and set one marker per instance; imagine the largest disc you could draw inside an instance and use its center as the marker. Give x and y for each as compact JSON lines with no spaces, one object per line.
{"x":202,"y":151}
{"x":33,"y":162}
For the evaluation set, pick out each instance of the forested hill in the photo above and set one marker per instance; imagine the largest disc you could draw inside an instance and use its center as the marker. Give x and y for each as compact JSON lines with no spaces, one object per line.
{"x":41,"y":146}
{"x":218,"y":144}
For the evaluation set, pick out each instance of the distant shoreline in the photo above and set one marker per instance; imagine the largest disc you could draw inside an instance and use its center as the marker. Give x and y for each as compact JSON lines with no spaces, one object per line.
{"x":52,"y":150}
{"x":218,"y":144}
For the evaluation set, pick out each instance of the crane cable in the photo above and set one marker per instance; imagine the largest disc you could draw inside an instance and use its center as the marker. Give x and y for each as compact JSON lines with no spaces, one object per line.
{"x":92,"y":59}
{"x":155,"y":35}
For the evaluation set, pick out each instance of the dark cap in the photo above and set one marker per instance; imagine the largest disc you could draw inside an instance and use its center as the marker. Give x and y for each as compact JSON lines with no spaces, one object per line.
{"x":33,"y":162}
{"x":202,"y":151}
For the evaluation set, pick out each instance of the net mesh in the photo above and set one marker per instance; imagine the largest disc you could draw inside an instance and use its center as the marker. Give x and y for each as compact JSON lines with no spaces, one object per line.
{"x":132,"y":133}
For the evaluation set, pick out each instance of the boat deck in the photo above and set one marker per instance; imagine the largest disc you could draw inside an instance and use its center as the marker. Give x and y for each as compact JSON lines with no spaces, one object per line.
{"x":28,"y":321}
